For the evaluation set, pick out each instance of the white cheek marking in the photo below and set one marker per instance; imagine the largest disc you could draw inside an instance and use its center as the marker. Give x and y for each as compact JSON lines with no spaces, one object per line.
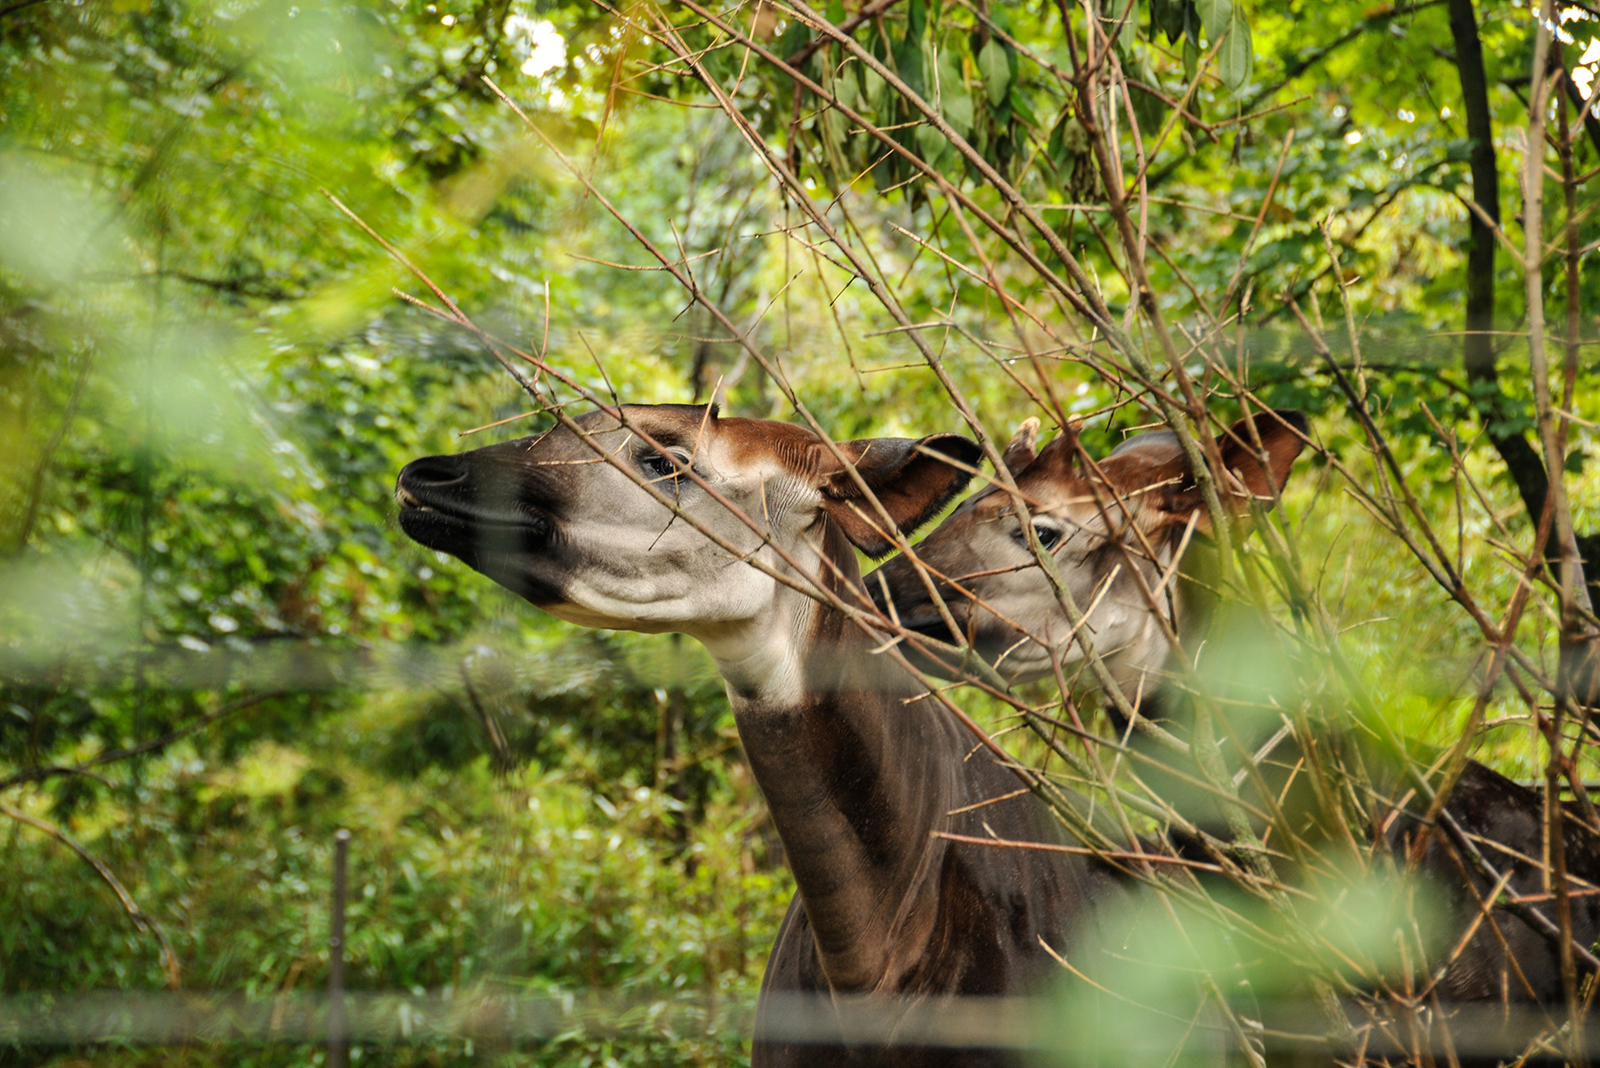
{"x":647,"y":573}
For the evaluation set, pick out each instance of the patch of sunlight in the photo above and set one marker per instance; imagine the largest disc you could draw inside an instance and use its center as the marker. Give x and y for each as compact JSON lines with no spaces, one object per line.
{"x":1583,"y":78}
{"x":268,"y":770}
{"x":537,"y":43}
{"x":1583,"y":75}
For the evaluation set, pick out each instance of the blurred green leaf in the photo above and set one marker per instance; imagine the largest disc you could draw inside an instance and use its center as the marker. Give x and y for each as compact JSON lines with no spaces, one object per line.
{"x":1236,"y":57}
{"x":995,"y":67}
{"x":1216,"y":17}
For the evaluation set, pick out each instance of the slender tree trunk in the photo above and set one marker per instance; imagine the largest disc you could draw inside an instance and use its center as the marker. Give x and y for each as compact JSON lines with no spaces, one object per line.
{"x":1500,"y":417}
{"x":1503,"y":420}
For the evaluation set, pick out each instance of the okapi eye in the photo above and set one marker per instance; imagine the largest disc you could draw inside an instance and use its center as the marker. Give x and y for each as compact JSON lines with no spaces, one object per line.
{"x":658,"y":466}
{"x":1048,"y":534}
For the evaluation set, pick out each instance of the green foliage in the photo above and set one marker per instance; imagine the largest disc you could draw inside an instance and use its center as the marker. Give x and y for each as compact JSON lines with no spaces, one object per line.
{"x":207,"y":386}
{"x":204,"y":366}
{"x":458,"y":882}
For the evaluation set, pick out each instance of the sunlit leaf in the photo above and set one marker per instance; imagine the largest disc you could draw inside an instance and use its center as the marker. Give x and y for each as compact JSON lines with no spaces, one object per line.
{"x":1130,"y":26}
{"x":995,"y":68}
{"x":1236,"y":57}
{"x":1215,"y":16}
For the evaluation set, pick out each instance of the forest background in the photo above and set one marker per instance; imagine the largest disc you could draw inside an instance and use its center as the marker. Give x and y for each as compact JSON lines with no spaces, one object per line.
{"x":216,"y":648}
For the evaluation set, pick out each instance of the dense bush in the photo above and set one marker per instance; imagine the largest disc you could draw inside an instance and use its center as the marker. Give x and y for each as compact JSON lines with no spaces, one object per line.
{"x":207,"y":387}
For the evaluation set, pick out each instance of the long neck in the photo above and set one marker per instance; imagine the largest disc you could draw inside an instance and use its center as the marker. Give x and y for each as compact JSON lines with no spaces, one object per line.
{"x":855,"y":778}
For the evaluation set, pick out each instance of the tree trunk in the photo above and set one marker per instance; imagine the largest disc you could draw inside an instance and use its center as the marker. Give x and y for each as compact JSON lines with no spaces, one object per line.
{"x":1505,"y":422}
{"x":1500,"y":416}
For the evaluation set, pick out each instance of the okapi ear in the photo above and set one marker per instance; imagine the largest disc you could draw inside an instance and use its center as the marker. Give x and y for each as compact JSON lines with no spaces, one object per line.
{"x":1021,"y":452}
{"x":911,"y":479}
{"x":1283,"y":436}
{"x":1056,"y":459}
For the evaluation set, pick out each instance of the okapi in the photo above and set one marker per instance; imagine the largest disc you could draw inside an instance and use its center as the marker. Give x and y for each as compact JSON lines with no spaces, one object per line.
{"x":1139,"y":509}
{"x":858,"y":765}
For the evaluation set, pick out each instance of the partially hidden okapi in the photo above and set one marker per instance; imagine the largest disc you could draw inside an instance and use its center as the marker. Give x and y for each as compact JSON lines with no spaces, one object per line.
{"x":858,"y":769}
{"x":1137,"y":510}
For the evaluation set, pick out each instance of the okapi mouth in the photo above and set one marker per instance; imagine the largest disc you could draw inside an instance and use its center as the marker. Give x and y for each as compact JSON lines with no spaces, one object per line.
{"x":990,"y":641}
{"x":459,"y":534}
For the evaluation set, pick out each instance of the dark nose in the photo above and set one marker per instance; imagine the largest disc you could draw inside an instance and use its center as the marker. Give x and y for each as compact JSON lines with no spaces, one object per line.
{"x":897,"y":581}
{"x":431,"y":473}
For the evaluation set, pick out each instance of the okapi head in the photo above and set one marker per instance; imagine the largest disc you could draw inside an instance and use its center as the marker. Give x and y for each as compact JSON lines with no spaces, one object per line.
{"x":1141,"y":495}
{"x":558,"y":520}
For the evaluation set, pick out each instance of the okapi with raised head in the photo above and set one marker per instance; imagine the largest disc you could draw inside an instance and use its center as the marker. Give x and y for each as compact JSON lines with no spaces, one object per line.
{"x":1138,"y":508}
{"x":857,"y":769}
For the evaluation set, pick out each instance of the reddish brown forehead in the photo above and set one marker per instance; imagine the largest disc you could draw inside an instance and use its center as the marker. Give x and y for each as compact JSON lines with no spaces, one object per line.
{"x":746,"y":442}
{"x":1052,"y":481}
{"x":754,"y":440}
{"x":669,"y":424}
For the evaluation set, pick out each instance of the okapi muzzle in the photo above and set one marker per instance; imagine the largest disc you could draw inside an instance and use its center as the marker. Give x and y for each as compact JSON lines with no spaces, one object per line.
{"x":490,"y":508}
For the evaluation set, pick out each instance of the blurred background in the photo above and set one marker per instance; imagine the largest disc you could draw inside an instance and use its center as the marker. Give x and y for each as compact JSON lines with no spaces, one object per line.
{"x":217,"y":648}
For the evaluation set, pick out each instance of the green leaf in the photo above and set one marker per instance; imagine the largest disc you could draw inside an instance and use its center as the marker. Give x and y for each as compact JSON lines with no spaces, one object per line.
{"x":875,"y":95}
{"x":994,"y":66}
{"x":908,"y":59}
{"x":1236,"y":57}
{"x":931,"y":144}
{"x":847,"y":91}
{"x":1068,"y":140}
{"x":1149,"y":110}
{"x":1214,"y":17}
{"x":1167,"y":17}
{"x":1130,"y":27}
{"x":835,"y":11}
{"x":830,"y":130}
{"x":794,"y":38}
{"x":1191,"y":58}
{"x":955,"y":104}
{"x":1023,"y":110}
{"x":916,"y":20}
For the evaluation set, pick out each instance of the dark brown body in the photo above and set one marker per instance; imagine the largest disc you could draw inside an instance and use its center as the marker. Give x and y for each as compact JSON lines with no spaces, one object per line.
{"x":1502,"y":815}
{"x":858,"y":781}
{"x":1504,"y":819}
